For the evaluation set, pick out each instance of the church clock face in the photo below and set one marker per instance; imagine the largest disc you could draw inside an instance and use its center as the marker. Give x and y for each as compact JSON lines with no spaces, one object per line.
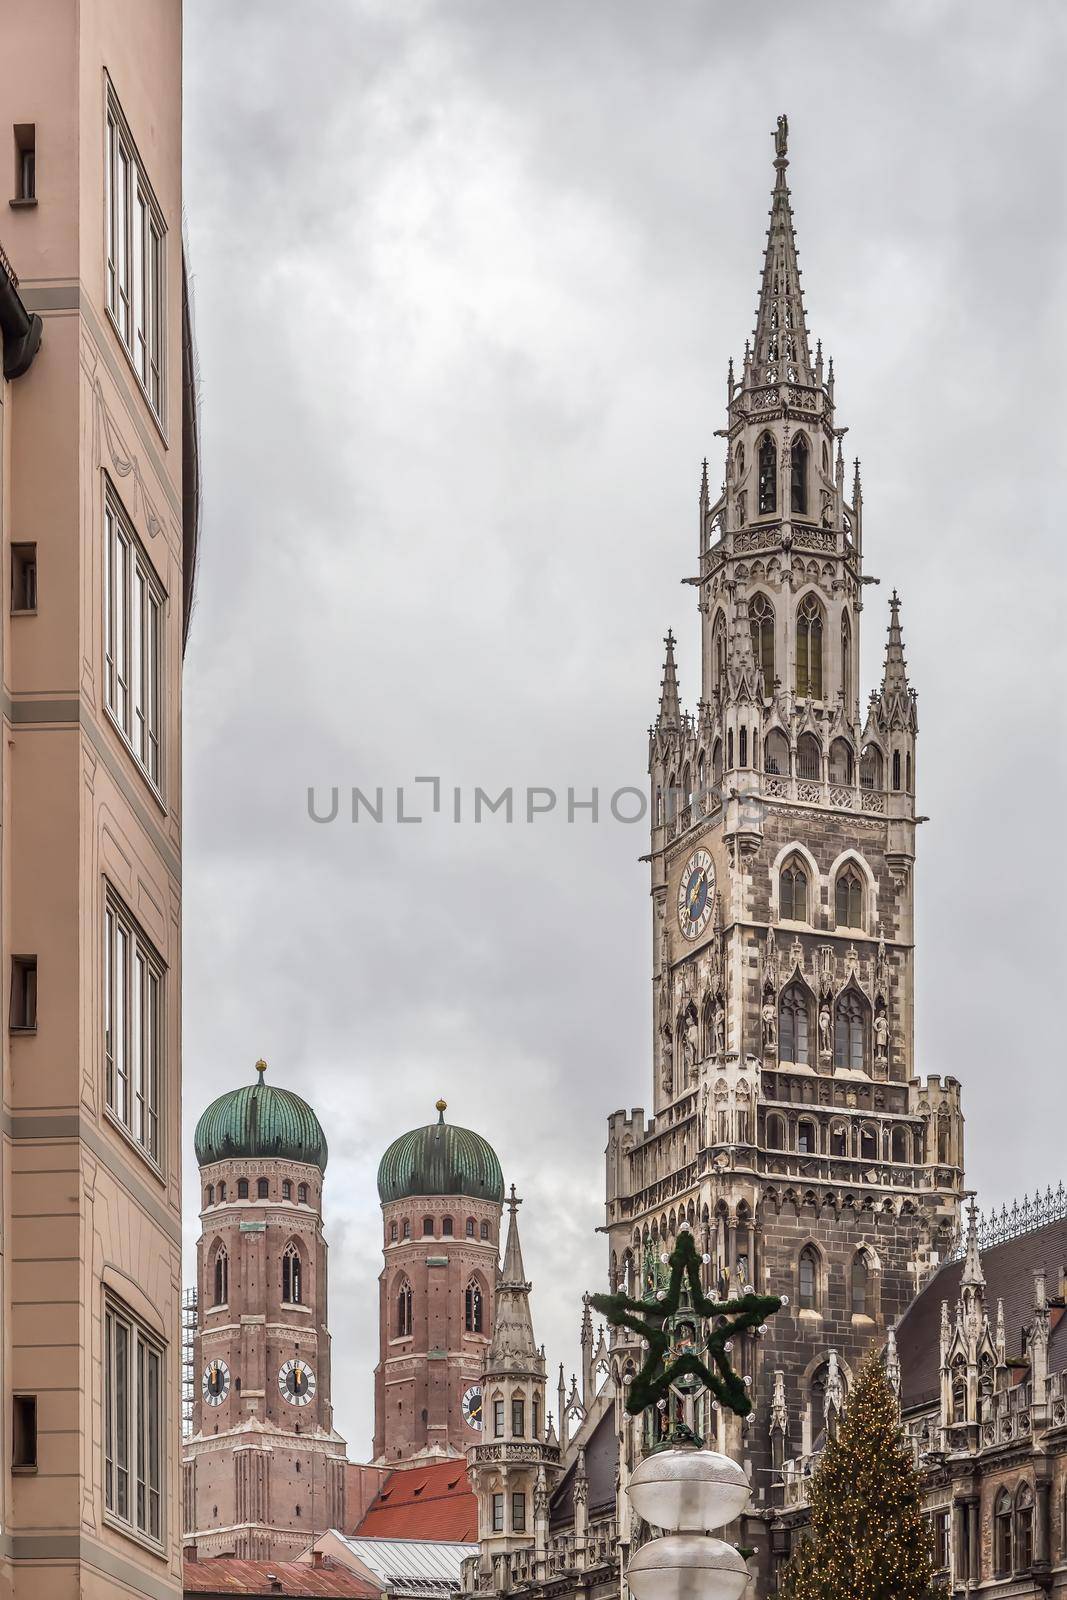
{"x":472,"y":1407}
{"x":297,"y":1383}
{"x":696,"y":894}
{"x":215,"y":1385}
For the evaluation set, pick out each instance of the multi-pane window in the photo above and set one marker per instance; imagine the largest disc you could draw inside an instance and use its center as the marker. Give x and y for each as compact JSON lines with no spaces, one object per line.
{"x":809,"y":649}
{"x":793,"y":892}
{"x":135,"y":258}
{"x":222,"y":1277}
{"x":498,"y":1513}
{"x":849,"y":900}
{"x":761,"y":625}
{"x":133,"y":1424}
{"x":405,"y":1302}
{"x":850,"y":1031}
{"x":498,"y":1419}
{"x":133,"y":641}
{"x":793,"y":1025}
{"x":518,"y":1419}
{"x":808,"y":1278}
{"x":518,"y":1512}
{"x":133,"y":1027}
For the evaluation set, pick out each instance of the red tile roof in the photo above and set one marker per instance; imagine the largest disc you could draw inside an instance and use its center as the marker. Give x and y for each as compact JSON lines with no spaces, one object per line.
{"x":224,"y":1576}
{"x":433,"y":1502}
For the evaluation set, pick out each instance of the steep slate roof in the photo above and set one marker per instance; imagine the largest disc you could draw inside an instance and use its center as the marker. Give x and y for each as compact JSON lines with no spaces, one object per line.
{"x":601,"y":1460}
{"x":433,"y":1502}
{"x":1009,"y":1273}
{"x":223,"y":1575}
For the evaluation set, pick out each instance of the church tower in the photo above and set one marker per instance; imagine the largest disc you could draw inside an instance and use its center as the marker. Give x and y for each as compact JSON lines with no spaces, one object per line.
{"x":264,"y":1468}
{"x":441,"y":1190}
{"x":514,"y":1465}
{"x":789,"y":1126}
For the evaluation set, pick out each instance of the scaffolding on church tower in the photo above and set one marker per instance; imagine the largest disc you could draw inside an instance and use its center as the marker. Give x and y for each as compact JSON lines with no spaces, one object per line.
{"x":189,"y":1315}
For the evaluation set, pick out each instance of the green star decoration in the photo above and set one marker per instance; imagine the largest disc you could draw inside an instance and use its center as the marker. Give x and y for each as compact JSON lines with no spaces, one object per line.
{"x":651,"y":1319}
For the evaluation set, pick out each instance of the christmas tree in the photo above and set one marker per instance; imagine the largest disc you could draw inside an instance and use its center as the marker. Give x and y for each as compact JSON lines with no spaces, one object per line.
{"x":867,"y":1539}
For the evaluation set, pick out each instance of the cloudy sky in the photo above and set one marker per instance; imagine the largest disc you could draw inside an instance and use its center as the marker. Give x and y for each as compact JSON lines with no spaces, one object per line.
{"x":467,"y":276}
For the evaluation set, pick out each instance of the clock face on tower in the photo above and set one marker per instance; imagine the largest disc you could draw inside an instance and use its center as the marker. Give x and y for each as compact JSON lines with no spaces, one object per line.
{"x":696,"y":894}
{"x":215,"y":1384}
{"x":472,"y":1407}
{"x":296,"y":1381}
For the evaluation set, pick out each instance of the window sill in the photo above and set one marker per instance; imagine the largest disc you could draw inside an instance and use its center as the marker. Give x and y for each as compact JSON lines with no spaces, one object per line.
{"x":26,"y":204}
{"x":222,"y":1306}
{"x":137,"y":1149}
{"x":23,"y":611}
{"x":296,"y":1305}
{"x":24,"y":1471}
{"x":18,"y":1027}
{"x":135,"y":1536}
{"x":156,"y":793}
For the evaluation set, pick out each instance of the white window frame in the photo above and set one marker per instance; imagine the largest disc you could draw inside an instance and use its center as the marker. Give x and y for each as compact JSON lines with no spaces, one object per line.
{"x":136,"y":249}
{"x":134,"y":1030}
{"x":135,"y":606}
{"x":134,"y":1409}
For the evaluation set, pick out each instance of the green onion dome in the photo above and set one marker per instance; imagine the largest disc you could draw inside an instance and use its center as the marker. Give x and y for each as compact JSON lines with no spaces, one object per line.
{"x":440,"y":1159}
{"x":260,"y":1120}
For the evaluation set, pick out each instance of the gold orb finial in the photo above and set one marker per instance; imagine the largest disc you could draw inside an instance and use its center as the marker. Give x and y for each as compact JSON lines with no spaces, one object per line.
{"x":261,"y":1067}
{"x":441,"y":1106}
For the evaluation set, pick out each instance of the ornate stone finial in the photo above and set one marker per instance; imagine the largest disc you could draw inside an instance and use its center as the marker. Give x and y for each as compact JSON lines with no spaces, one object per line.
{"x":513,"y":1201}
{"x":440,"y":1106}
{"x":261,"y":1067}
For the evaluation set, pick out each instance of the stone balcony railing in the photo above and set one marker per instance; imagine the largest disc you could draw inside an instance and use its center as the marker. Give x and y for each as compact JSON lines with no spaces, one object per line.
{"x":831,"y":793}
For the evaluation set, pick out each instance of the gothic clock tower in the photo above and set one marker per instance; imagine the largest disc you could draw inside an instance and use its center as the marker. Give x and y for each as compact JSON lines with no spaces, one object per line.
{"x":789,"y":1124}
{"x":264,"y":1468}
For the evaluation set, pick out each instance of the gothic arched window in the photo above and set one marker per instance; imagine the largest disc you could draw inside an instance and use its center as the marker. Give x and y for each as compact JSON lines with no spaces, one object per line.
{"x":809,"y":649}
{"x":472,"y":1307}
{"x":858,"y":1284}
{"x":209,"y":1198}
{"x":302,"y":1193}
{"x":470,"y":1227}
{"x":900,"y":1145}
{"x":871,"y":768}
{"x":775,"y":1132}
{"x":242,"y":1188}
{"x":848,"y":899}
{"x":742,"y":747}
{"x":287,"y":1188}
{"x":716,"y":764}
{"x":761,"y":625}
{"x":405,"y":1305}
{"x":776,"y":753}
{"x":262,"y":1188}
{"x":222,"y":1277}
{"x":1002,"y":1516}
{"x":394,"y":1233}
{"x":446,"y":1227}
{"x":793,"y":1020}
{"x":718,"y":653}
{"x":1024,"y":1528}
{"x":292,"y":1287}
{"x":896,"y":770}
{"x":850,"y":1031}
{"x":807,"y":1138}
{"x":793,"y":892}
{"x":798,"y":476}
{"x":484,"y":1230}
{"x":809,"y":757}
{"x":808,"y":1279}
{"x":840,"y":761}
{"x":222,"y":1192}
{"x":768,"y":476}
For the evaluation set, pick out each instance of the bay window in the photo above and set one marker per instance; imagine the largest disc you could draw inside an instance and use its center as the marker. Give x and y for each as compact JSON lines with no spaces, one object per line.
{"x":133,"y":1028}
{"x":133,"y":641}
{"x":135,"y":257}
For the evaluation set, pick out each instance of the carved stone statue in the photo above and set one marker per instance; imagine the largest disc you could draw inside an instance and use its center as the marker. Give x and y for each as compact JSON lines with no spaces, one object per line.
{"x":881,"y":1036}
{"x":666,"y":1070}
{"x":720,"y":1031}
{"x":689,"y":1048}
{"x":824,"y":1032}
{"x":770,"y":1024}
{"x":781,"y":137}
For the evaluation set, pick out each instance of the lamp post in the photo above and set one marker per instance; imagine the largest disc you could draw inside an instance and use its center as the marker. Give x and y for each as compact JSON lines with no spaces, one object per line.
{"x":681,"y":1487}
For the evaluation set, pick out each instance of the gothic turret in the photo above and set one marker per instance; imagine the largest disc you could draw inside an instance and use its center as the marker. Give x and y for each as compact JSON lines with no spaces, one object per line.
{"x":780,"y":342}
{"x":514,"y":1450}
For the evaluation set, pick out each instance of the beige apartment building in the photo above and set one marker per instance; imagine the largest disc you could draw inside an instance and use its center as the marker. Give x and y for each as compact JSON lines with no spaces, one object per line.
{"x":99,"y":509}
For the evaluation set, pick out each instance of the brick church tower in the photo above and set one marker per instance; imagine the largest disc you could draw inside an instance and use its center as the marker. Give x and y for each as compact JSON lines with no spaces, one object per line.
{"x":264,"y":1467}
{"x":789,"y":1126}
{"x":441,"y":1190}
